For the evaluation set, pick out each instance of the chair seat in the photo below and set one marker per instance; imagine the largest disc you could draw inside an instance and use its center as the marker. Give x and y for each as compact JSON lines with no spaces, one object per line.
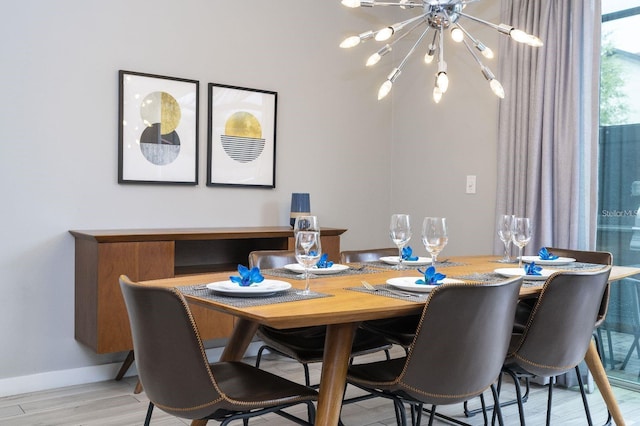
{"x":307,"y":345}
{"x":380,"y":372}
{"x":400,"y":331}
{"x":248,"y":387}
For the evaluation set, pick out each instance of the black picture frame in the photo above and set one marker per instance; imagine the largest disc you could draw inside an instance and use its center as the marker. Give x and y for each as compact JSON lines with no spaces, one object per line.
{"x":157,"y":129}
{"x":241,"y":136}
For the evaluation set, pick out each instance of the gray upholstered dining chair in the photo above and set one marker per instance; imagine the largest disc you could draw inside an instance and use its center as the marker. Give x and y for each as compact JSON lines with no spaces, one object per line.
{"x":304,"y":344}
{"x":457,"y":353}
{"x":367,"y":255}
{"x":399,"y":331}
{"x":177,"y":377}
{"x":558,"y":332}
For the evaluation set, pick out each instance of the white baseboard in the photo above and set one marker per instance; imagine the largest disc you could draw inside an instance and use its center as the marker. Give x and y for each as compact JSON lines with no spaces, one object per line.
{"x":79,"y":376}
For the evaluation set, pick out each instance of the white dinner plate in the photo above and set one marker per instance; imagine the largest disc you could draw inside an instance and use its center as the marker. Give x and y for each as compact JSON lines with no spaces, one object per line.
{"x":519,"y":272}
{"x":334,"y":269}
{"x":558,"y":261}
{"x":265,"y":288}
{"x":409,"y":283}
{"x":393,"y":260}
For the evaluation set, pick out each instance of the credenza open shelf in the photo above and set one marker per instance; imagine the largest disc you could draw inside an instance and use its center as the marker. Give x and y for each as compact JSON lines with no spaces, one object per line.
{"x":101,"y":256}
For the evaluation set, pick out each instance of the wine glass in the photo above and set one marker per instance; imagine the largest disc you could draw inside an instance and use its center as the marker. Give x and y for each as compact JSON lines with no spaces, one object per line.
{"x":308,"y":251}
{"x":521,"y":235}
{"x":306,"y":223}
{"x":400,"y":233}
{"x":504,"y":226}
{"x":434,"y":236}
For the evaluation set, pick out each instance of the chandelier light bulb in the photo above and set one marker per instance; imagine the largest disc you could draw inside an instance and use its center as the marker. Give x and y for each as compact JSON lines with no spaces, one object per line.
{"x":373,"y":59}
{"x":385,"y":88}
{"x":520,"y":36}
{"x":457,"y":35}
{"x":351,"y":3}
{"x":486,"y":51}
{"x":534,"y":41}
{"x":355,"y":40}
{"x":437,"y":94}
{"x":497,"y":88}
{"x":442,"y":81}
{"x":384,"y":34}
{"x":428,"y":57}
{"x":349,"y":42}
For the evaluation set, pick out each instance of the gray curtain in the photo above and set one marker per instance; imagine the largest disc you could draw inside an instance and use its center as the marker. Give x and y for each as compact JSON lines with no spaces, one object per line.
{"x":548,"y":121}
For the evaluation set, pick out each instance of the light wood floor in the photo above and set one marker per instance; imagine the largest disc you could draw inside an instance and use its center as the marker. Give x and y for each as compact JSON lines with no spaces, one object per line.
{"x":114,"y":403}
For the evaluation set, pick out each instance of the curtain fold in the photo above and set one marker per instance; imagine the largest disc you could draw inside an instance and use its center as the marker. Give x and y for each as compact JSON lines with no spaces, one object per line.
{"x":548,"y":122}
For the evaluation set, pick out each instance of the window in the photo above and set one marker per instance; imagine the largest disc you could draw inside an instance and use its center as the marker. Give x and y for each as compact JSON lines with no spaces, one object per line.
{"x":619,"y":184}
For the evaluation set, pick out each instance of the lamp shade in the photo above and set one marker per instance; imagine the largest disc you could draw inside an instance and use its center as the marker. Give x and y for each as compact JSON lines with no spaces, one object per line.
{"x":300,"y":206}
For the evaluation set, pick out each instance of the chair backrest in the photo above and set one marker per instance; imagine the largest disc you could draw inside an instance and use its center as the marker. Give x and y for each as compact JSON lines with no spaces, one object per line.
{"x":270,"y":259}
{"x":560,"y":327}
{"x":170,"y":357}
{"x":600,"y":257}
{"x":461,"y":341}
{"x":370,"y":255}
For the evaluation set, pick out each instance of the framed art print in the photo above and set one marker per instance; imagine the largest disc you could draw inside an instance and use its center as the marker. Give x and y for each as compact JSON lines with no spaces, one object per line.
{"x":242,"y":136}
{"x":158,"y":129}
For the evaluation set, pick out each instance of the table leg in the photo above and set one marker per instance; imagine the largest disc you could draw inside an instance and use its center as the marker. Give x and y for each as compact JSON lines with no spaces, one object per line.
{"x":241,"y":337}
{"x":335,"y":362}
{"x":594,"y":363}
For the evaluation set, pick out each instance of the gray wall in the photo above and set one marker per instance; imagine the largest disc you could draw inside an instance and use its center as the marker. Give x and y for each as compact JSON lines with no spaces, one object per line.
{"x":360,"y":159}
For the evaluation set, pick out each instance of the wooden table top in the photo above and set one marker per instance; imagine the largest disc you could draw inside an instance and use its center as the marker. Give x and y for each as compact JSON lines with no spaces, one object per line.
{"x":346,"y":306}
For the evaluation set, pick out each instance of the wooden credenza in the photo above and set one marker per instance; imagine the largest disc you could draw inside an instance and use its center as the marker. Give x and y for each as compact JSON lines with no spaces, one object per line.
{"x":101,"y":256}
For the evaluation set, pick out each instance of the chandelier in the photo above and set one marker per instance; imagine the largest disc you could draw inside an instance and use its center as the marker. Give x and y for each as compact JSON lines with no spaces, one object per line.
{"x":436,"y":16}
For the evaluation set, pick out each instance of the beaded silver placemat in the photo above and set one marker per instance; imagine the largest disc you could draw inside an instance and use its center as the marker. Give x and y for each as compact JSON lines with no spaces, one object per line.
{"x":285,"y":273}
{"x":383,"y":265}
{"x":492,"y":277}
{"x":383,"y":290}
{"x":245,"y":302}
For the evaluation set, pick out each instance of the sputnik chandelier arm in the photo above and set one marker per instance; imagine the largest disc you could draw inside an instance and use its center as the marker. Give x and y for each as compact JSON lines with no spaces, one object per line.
{"x":438,"y":15}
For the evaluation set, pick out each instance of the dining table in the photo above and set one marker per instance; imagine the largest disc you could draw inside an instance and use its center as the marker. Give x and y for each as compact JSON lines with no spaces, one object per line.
{"x":341,"y":303}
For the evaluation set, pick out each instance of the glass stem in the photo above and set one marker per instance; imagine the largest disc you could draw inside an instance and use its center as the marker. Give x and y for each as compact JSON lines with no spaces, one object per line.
{"x":399,"y":257}
{"x":506,"y":251}
{"x":306,"y":286}
{"x":520,"y":257}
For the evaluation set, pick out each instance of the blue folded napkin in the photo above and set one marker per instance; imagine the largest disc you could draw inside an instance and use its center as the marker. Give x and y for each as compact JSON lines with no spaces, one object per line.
{"x":323,"y":262}
{"x":532,"y":269}
{"x":407,"y":253}
{"x":431,"y":277}
{"x":247,"y":277}
{"x":545,"y":254}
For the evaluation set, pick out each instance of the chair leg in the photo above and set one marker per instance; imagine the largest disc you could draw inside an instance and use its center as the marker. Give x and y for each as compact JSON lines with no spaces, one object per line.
{"x":432,"y":415}
{"x":484,"y":409}
{"x":497,"y":410}
{"x":584,"y":396}
{"x":259,"y":356}
{"x":307,"y":379}
{"x":549,"y":400}
{"x":400,"y":414}
{"x":419,"y":415}
{"x":147,"y":419}
{"x":518,"y":395}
